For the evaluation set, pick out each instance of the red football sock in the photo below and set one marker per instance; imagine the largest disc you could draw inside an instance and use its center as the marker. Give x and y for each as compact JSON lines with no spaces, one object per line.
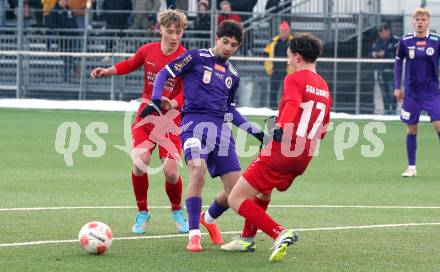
{"x":174,"y":192}
{"x":249,"y":230}
{"x":259,"y":218}
{"x":140,"y":187}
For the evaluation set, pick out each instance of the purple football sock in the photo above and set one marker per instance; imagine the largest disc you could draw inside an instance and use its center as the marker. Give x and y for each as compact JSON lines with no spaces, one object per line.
{"x":215,"y":210}
{"x":193,"y":207}
{"x":411,"y":147}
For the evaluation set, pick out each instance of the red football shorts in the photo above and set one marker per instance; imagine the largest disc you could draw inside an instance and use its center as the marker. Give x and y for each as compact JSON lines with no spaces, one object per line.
{"x":169,"y":145}
{"x":275,"y":171}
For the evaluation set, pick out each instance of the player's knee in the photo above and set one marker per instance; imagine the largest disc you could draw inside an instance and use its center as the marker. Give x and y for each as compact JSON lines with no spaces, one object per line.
{"x":197,"y":176}
{"x":137,"y":171}
{"x":264,"y":197}
{"x":172,"y":176}
{"x":412,"y":130}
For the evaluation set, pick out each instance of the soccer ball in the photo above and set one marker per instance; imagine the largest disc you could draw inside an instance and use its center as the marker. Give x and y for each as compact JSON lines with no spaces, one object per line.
{"x":95,"y":237}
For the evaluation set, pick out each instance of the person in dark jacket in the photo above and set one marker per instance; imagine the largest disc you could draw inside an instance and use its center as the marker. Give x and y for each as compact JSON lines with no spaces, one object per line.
{"x":385,"y":48}
{"x":116,"y":20}
{"x":203,"y":19}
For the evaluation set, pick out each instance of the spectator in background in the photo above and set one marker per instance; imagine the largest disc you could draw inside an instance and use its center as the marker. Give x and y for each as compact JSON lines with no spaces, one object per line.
{"x":31,"y":11}
{"x":241,"y":6}
{"x":203,"y":19}
{"x":60,"y":20}
{"x":385,"y":48}
{"x":116,"y":20}
{"x":48,"y":5}
{"x":36,"y":6}
{"x":277,"y":48}
{"x":79,"y":10}
{"x":177,"y":4}
{"x":225,"y":13}
{"x":145,"y":20}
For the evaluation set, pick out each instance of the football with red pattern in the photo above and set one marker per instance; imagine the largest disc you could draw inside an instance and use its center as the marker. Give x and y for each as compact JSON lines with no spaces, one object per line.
{"x":95,"y":237}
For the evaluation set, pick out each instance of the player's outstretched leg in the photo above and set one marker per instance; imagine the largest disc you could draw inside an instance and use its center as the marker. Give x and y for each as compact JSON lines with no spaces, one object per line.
{"x":281,"y":243}
{"x":207,"y":219}
{"x":241,"y":244}
{"x":245,"y":241}
{"x":213,"y":230}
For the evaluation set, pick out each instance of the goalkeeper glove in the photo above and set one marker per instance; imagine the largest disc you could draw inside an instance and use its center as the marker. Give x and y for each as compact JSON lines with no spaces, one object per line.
{"x":278,"y":134}
{"x":154,"y":106}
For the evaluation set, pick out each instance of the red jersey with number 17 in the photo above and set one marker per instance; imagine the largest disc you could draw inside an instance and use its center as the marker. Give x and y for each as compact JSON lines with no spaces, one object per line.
{"x":153,"y":59}
{"x":304,"y":115}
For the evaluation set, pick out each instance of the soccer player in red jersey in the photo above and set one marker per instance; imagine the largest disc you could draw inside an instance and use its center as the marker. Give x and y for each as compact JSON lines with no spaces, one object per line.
{"x":153,"y":57}
{"x":301,"y":123}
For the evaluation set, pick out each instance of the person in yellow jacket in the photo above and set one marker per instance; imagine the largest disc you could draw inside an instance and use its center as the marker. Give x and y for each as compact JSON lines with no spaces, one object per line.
{"x":277,"y":48}
{"x":48,"y":6}
{"x":79,"y":9}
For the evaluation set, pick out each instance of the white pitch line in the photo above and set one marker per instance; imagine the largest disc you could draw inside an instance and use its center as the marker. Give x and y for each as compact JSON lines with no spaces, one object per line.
{"x":227,"y":232}
{"x":270,"y":206}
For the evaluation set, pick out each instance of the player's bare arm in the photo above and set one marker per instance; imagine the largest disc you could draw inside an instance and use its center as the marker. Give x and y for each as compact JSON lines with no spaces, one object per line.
{"x":103,"y":72}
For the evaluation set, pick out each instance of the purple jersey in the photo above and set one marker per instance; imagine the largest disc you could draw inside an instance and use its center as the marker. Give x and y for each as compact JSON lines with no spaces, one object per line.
{"x":421,"y":68}
{"x":209,"y":84}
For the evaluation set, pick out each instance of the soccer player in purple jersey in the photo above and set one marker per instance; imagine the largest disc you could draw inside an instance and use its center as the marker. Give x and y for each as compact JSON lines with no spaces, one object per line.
{"x":209,"y":86}
{"x":421,"y":50}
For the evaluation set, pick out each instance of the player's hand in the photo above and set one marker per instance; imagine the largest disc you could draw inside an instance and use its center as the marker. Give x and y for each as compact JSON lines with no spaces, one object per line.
{"x":154,"y":106}
{"x":99,"y":72}
{"x":398,"y":94}
{"x":259,"y":136}
{"x":381,"y":54}
{"x":168,"y":104}
{"x":278,"y":134}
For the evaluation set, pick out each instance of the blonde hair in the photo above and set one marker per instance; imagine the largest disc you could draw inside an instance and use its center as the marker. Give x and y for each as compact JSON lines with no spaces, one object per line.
{"x":421,"y":12}
{"x":172,"y":16}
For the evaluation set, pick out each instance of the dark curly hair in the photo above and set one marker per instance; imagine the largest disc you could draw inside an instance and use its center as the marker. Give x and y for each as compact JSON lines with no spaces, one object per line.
{"x":307,"y":45}
{"x":230,"y":28}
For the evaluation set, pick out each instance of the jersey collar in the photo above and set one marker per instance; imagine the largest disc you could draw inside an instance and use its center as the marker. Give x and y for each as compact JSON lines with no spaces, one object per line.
{"x":427,"y":35}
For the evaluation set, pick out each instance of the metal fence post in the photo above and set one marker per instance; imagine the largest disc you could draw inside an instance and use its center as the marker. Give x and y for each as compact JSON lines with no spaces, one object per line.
{"x":19,"y":76}
{"x":82,"y":80}
{"x":358,"y":64}
{"x":113,"y":81}
{"x":335,"y":55}
{"x":328,"y":18}
{"x":213,"y":21}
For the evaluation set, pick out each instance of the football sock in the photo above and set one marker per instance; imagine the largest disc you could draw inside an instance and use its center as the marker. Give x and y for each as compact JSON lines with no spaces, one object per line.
{"x":140,"y":187}
{"x":194,"y":207}
{"x":259,"y":218}
{"x":214,"y":212}
{"x":249,"y":230}
{"x":174,"y":192}
{"x":411,"y":147}
{"x":438,"y":133}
